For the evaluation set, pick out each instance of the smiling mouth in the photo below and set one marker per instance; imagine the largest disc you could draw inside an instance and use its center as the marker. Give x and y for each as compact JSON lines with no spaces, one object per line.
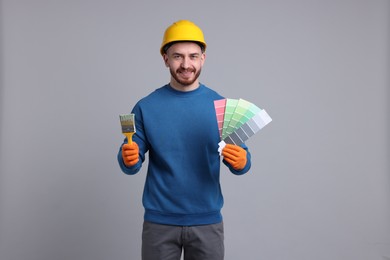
{"x":186,"y":73}
{"x":186,"y":76}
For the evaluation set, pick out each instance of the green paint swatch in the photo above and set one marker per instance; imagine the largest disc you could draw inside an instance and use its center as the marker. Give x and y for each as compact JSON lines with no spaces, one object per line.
{"x":229,"y":111}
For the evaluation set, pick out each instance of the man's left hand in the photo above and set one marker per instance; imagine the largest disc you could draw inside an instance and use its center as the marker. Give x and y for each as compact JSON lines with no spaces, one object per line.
{"x":235,"y":156}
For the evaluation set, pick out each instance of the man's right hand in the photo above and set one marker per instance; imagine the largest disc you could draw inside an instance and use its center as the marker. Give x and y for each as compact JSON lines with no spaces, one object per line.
{"x":130,"y":154}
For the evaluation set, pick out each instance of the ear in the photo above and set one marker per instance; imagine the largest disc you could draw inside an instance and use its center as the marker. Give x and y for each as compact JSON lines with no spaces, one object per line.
{"x":165,"y":59}
{"x":203,"y":58}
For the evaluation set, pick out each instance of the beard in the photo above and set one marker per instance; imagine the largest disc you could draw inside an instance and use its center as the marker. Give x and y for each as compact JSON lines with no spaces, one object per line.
{"x":185,"y":82}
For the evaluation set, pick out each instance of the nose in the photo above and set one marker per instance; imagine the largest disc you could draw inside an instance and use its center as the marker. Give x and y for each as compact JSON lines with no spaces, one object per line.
{"x":185,"y":63}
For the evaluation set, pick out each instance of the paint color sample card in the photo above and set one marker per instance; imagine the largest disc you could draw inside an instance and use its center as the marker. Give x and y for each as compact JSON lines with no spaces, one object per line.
{"x":229,"y":111}
{"x":243,"y":112}
{"x":251,"y":127}
{"x":220,"y":113}
{"x":238,"y":120}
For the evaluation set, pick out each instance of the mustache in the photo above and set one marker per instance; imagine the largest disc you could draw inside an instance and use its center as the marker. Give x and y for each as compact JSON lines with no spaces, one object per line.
{"x":179,"y":70}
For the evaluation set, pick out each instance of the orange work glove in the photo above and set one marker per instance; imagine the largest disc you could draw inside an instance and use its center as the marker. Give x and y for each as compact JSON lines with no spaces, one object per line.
{"x":235,"y":156}
{"x":130,"y":154}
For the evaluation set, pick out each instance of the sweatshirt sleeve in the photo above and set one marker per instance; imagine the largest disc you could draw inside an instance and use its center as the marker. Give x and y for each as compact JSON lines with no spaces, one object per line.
{"x":247,"y":166}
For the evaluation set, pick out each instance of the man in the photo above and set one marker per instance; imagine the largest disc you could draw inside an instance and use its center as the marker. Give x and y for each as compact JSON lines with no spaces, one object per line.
{"x":177,"y":125}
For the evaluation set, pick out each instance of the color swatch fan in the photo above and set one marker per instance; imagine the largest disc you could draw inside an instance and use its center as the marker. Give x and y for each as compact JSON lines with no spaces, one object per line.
{"x":238,"y":120}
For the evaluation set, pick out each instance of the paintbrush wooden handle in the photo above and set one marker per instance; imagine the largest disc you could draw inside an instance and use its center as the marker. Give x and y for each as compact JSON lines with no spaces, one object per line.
{"x":129,"y":137}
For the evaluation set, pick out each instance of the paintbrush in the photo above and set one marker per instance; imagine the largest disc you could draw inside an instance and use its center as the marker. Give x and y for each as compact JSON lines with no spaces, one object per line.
{"x":128,"y":126}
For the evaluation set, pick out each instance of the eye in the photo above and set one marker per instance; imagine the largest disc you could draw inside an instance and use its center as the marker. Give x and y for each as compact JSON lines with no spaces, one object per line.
{"x":194,"y":56}
{"x":176,"y":56}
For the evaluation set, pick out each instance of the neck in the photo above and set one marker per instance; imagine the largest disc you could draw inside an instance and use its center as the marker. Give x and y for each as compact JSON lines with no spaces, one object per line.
{"x":184,"y":88}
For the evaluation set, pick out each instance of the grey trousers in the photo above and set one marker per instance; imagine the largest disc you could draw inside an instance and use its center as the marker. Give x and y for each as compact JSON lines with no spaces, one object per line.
{"x":164,"y":242}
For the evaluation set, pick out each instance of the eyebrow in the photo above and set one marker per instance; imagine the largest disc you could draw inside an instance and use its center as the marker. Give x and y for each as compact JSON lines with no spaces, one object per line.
{"x":191,"y":54}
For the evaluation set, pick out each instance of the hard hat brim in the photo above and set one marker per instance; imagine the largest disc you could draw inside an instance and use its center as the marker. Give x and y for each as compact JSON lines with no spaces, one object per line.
{"x":164,"y":48}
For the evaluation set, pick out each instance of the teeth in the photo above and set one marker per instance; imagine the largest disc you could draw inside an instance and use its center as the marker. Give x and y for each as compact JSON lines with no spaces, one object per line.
{"x":187,"y":73}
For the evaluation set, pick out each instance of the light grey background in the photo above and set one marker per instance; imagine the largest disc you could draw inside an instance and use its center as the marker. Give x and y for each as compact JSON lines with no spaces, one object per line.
{"x":319,"y":187}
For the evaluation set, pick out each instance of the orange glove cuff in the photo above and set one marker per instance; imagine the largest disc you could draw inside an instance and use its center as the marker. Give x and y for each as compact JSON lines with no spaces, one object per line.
{"x":235,"y":156}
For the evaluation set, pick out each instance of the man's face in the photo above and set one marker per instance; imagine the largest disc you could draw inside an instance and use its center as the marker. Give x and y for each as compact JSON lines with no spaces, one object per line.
{"x":185,"y":61}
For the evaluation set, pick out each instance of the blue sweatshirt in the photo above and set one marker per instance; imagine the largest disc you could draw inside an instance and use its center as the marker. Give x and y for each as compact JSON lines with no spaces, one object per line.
{"x":180,"y":132}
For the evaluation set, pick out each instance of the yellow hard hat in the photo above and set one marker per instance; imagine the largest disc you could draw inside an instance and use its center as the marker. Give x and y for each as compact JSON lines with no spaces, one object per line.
{"x":183,"y":30}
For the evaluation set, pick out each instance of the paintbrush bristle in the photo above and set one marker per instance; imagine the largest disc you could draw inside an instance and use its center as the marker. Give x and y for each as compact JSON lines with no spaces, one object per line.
{"x":127,"y":123}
